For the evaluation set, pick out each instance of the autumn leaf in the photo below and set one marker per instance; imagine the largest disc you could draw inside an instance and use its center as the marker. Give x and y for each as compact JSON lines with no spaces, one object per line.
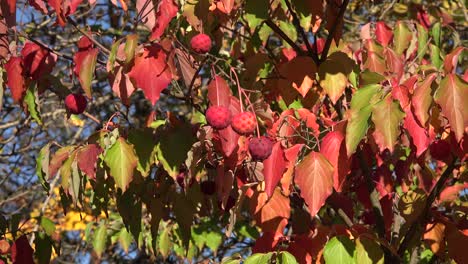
{"x":451,"y":60}
{"x":64,"y":8}
{"x":387,"y":116}
{"x":151,"y":72}
{"x":16,"y":82}
{"x":333,"y":147}
{"x":21,"y":251}
{"x":121,"y":160}
{"x":422,"y":99}
{"x":37,"y":61}
{"x":299,"y":73}
{"x":87,"y":157}
{"x":383,"y":33}
{"x":273,"y":168}
{"x":85,"y":64}
{"x":418,"y":134}
{"x":452,"y":96}
{"x":314,"y":176}
{"x":334,"y":74}
{"x":402,"y":37}
{"x":219,"y":92}
{"x":39,"y":5}
{"x":157,"y":18}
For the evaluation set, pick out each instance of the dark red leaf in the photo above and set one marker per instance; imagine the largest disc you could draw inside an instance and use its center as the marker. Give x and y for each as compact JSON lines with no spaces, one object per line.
{"x":151,"y":72}
{"x":16,"y":82}
{"x":333,"y":147}
{"x":383,"y":33}
{"x":87,"y":158}
{"x":37,"y":61}
{"x":21,"y":251}
{"x":218,"y":92}
{"x":64,"y":8}
{"x":39,"y":5}
{"x":418,"y":134}
{"x":267,"y":242}
{"x":85,"y":64}
{"x":273,"y":168}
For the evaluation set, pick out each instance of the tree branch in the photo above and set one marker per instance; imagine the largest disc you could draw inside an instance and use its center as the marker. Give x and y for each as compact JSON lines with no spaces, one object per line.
{"x":301,"y":32}
{"x":283,"y":35}
{"x":333,"y":30}
{"x":430,"y":200}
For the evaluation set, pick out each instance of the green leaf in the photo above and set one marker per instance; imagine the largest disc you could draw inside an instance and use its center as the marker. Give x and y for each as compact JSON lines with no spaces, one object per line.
{"x":333,"y":74}
{"x":368,"y":77}
{"x":43,"y":248}
{"x":48,"y":225}
{"x":214,"y":240}
{"x":339,"y":249}
{"x":164,"y":243}
{"x":363,"y":96}
{"x":32,"y":103}
{"x":452,"y":96}
{"x":259,"y":258}
{"x":130,"y":45}
{"x":435,"y":56}
{"x":255,"y":12}
{"x":387,"y":116}
{"x":121,"y":160}
{"x":174,"y":143}
{"x":42,"y":166}
{"x":289,"y":29}
{"x":358,"y":123}
{"x":125,"y":239}
{"x":285,"y":257}
{"x":234,"y":259}
{"x":368,"y":251}
{"x":422,"y":42}
{"x":113,"y":54}
{"x":436,"y":28}
{"x":402,"y":37}
{"x":100,"y":239}
{"x":144,"y":145}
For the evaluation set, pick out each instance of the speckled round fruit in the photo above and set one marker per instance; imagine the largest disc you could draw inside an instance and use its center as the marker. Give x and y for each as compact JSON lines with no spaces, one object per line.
{"x":208,"y":187}
{"x":75,"y":103}
{"x":260,"y":148}
{"x":201,"y":43}
{"x":219,"y":117}
{"x":244,"y":123}
{"x":440,"y":149}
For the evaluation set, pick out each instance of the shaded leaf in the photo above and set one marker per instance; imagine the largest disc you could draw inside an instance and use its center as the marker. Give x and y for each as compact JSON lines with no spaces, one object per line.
{"x":100,"y":239}
{"x":87,"y":158}
{"x":43,"y":245}
{"x":368,"y":252}
{"x":121,"y":160}
{"x":144,"y":144}
{"x":339,"y":249}
{"x":333,"y":147}
{"x":21,"y":251}
{"x":333,"y":74}
{"x":314,"y":176}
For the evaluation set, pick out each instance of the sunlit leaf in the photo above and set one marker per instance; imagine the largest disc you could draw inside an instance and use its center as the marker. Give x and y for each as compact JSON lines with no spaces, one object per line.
{"x":339,"y":249}
{"x":121,"y":160}
{"x":387,"y":116}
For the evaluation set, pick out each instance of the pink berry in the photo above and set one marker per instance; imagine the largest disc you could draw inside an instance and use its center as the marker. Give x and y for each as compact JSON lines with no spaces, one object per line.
{"x":219,"y":117}
{"x":244,"y":123}
{"x":201,"y":43}
{"x":260,"y":148}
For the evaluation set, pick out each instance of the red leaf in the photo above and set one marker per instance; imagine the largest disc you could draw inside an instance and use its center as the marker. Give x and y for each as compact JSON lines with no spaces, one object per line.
{"x":375,"y":63}
{"x":273,"y":168}
{"x":451,"y":193}
{"x":21,"y":251}
{"x":224,"y":182}
{"x":419,"y":134}
{"x":121,"y":84}
{"x":450,"y":61}
{"x":456,"y":243}
{"x":151,"y":72}
{"x":85,"y":64}
{"x":4,"y":43}
{"x":333,"y":147}
{"x":58,"y":158}
{"x":16,"y":82}
{"x":314,"y":175}
{"x":267,"y":242}
{"x":37,"y":61}
{"x":383,"y":33}
{"x":64,"y":8}
{"x":219,"y":92}
{"x":308,"y":247}
{"x":87,"y":157}
{"x":422,"y":99}
{"x":167,"y":10}
{"x":39,"y":5}
{"x":271,"y":214}
{"x":310,"y":120}
{"x":292,"y":152}
{"x":228,"y":138}
{"x":12,"y":5}
{"x":394,"y":65}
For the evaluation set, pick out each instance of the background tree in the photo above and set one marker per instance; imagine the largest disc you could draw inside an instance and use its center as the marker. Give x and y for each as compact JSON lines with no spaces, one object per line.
{"x":164,"y":130}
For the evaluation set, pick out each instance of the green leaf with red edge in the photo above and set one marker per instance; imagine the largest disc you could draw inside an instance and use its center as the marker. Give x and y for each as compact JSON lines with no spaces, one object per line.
{"x":422,"y":99}
{"x":394,"y":64}
{"x":356,"y":129}
{"x":451,"y":60}
{"x":21,"y":251}
{"x":87,"y":159}
{"x":333,"y":74}
{"x":121,"y":160}
{"x":85,"y":64}
{"x":387,"y":116}
{"x":151,"y":72}
{"x":37,"y":61}
{"x":403,"y":36}
{"x":383,"y":33}
{"x":333,"y":147}
{"x":452,"y":96}
{"x":219,"y":93}
{"x":314,"y":176}
{"x":16,"y":82}
{"x":273,"y":168}
{"x":58,"y":158}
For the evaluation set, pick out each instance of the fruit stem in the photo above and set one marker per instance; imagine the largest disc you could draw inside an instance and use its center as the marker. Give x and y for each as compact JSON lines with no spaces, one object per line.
{"x":253,"y":110}
{"x":239,"y":89}
{"x":213,"y":74}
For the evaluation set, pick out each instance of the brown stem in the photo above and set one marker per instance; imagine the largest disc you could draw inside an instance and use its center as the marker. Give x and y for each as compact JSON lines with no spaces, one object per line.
{"x":425,"y":213}
{"x":332,"y":31}
{"x":75,"y":25}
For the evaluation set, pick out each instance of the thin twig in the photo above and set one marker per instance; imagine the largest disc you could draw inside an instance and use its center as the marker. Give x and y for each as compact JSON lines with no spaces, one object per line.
{"x":104,"y":49}
{"x":283,"y":35}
